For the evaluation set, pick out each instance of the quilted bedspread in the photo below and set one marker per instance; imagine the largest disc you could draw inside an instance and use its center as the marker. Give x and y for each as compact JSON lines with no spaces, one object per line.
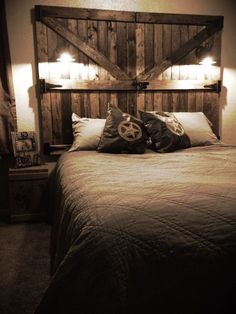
{"x":151,"y":233}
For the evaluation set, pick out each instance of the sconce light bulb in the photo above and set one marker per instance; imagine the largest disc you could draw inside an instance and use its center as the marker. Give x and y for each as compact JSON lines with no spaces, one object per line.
{"x":207,"y":61}
{"x":65,"y":57}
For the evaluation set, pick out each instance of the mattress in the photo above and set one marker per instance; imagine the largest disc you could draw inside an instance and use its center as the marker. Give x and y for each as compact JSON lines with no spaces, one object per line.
{"x":150,"y":233}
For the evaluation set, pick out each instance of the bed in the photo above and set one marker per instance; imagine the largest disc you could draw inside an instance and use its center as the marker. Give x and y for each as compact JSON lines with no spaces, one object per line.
{"x":148,"y":232}
{"x":143,"y":202}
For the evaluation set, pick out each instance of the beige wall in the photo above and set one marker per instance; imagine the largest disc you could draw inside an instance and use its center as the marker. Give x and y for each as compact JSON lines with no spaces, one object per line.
{"x":20,"y":30}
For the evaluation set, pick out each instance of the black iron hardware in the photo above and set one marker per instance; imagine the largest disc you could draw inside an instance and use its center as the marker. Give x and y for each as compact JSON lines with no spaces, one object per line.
{"x":45,"y":87}
{"x":215,"y":87}
{"x":141,"y":85}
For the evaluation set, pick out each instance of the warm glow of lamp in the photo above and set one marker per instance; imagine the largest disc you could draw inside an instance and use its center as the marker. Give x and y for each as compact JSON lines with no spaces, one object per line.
{"x":204,"y":55}
{"x":207,"y":61}
{"x":65,"y":57}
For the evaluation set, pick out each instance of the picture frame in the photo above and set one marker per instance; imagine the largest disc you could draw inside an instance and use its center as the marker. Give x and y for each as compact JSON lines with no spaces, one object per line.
{"x":25,"y":149}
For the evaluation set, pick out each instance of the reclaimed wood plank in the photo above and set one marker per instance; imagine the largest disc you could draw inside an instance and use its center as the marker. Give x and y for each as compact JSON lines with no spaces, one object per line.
{"x":131,"y":66}
{"x":211,"y":110}
{"x":56,"y":118}
{"x":191,"y":59}
{"x":184,"y":70}
{"x":72,"y":25}
{"x":200,"y":76}
{"x":45,"y":114}
{"x":112,"y":55}
{"x":62,"y":46}
{"x":46,"y":118}
{"x":166,"y":75}
{"x":158,"y":55}
{"x":140,"y":65}
{"x":175,"y":69}
{"x":66,"y":123}
{"x":122,"y":60}
{"x":109,"y":85}
{"x":55,"y":98}
{"x":149,"y":60}
{"x":76,"y":104}
{"x":103,"y":74}
{"x":85,"y":14}
{"x":190,"y":19}
{"x":93,"y":68}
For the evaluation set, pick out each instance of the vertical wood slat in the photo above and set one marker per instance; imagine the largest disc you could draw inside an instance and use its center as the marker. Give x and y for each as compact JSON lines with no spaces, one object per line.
{"x":131,"y":66}
{"x":103,"y":75}
{"x":83,"y":66}
{"x":72,"y":25}
{"x":140,"y":66}
{"x":157,"y":96}
{"x":93,"y":69}
{"x":175,"y":70}
{"x":55,"y":44}
{"x":56,"y":118}
{"x":122,"y":62}
{"x":183,"y":96}
{"x":199,"y":95}
{"x":66,"y":109}
{"x":166,"y":50}
{"x":45,"y":104}
{"x":62,"y":45}
{"x":112,"y":55}
{"x":192,"y":31}
{"x":216,"y":49}
{"x":211,"y":109}
{"x":149,"y":60}
{"x":75,"y":103}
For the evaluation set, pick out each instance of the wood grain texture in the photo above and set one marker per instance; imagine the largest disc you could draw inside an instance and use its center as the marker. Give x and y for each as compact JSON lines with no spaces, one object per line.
{"x":186,"y":48}
{"x":85,"y":14}
{"x":122,"y":60}
{"x":92,"y":53}
{"x":166,"y":75}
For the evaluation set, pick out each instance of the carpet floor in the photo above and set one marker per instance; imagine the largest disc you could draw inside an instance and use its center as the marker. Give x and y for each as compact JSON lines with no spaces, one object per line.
{"x":24,"y":266}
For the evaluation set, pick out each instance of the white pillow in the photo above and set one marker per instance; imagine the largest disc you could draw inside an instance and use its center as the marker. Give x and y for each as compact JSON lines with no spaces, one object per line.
{"x":87,"y":132}
{"x":197,"y":127}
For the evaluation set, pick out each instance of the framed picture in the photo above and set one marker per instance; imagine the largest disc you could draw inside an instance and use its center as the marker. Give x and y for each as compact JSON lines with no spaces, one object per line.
{"x":25,"y":148}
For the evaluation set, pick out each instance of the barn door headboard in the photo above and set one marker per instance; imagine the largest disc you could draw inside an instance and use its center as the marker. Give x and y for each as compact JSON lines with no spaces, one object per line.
{"x":135,"y":60}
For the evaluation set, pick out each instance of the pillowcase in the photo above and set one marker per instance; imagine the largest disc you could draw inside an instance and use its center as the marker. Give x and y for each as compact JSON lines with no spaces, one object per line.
{"x":122,"y":133}
{"x":87,"y":133}
{"x":165,"y":131}
{"x":197,"y":127}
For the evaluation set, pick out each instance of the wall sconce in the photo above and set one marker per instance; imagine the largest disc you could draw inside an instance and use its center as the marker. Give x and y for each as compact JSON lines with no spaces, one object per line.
{"x":204,"y":55}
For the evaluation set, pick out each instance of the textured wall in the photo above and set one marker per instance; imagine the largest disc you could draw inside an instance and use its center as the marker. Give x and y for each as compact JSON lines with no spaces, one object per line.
{"x":20,"y":30}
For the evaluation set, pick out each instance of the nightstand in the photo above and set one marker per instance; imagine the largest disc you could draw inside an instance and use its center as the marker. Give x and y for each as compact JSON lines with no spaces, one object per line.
{"x":27,"y":188}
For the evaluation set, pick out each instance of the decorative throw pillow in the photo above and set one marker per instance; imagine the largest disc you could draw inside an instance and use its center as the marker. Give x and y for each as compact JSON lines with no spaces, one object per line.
{"x":197,"y":127}
{"x":87,"y":133}
{"x":165,"y":131}
{"x":122,"y":133}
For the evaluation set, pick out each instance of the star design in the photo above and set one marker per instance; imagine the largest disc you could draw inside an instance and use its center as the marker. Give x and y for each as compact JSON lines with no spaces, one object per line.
{"x":175,"y":127}
{"x":130,"y":131}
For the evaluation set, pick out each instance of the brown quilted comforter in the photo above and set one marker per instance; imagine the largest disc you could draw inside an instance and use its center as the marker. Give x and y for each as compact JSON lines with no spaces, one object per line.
{"x":152,"y":233}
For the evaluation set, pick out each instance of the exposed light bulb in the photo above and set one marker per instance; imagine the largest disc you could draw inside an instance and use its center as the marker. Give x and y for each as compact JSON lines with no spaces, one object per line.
{"x":207,"y":61}
{"x":65,"y":57}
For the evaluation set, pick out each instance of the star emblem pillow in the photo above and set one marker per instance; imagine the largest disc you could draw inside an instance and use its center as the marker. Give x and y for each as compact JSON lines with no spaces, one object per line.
{"x":122,"y":133}
{"x":166,"y":132}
